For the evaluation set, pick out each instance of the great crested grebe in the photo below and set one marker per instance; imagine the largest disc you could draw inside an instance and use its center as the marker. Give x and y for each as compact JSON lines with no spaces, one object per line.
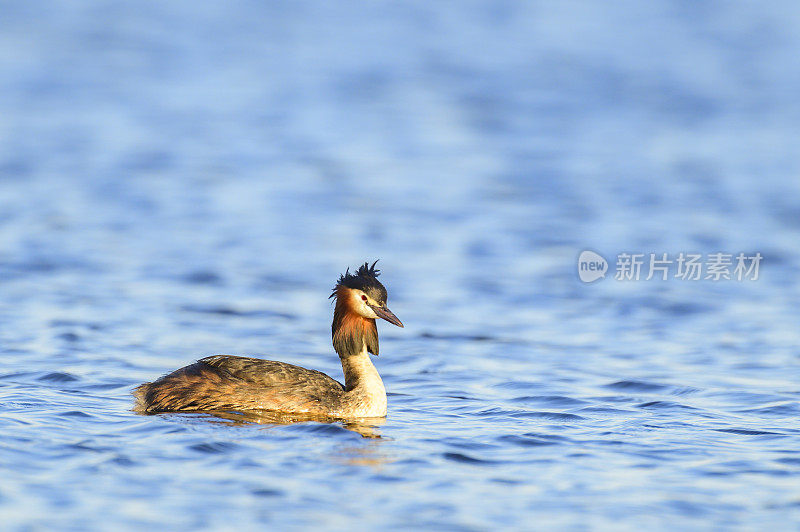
{"x":233,"y":383}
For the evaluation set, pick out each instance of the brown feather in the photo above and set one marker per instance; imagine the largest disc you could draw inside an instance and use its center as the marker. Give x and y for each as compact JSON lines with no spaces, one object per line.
{"x":240,"y":383}
{"x":349,"y":330}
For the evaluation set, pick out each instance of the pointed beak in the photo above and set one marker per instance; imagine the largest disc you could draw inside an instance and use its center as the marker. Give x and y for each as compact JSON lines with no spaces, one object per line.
{"x":386,"y":314}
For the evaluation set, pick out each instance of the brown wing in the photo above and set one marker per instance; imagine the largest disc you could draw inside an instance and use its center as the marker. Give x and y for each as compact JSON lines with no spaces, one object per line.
{"x":240,"y":383}
{"x":272,"y":374}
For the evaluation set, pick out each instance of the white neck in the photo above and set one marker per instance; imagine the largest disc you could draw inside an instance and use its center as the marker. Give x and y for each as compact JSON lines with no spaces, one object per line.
{"x":363,"y":385}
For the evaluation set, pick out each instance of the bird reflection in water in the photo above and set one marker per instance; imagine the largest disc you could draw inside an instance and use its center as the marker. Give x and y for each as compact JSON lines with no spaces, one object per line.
{"x":366,"y":427}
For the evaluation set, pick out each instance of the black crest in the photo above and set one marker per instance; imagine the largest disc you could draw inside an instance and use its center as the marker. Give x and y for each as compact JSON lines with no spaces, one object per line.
{"x":365,"y":279}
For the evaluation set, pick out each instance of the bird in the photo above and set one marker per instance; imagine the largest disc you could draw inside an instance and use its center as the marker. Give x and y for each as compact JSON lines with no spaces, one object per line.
{"x":228,"y":383}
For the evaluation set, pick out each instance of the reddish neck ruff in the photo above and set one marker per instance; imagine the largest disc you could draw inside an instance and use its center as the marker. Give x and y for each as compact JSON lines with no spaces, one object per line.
{"x":351,"y":332}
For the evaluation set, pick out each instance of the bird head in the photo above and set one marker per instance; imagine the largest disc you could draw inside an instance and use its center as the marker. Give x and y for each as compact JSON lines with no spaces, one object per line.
{"x":364,"y":294}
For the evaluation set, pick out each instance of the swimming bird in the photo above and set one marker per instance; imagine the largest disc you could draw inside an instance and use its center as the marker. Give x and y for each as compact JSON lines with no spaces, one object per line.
{"x":234,"y":383}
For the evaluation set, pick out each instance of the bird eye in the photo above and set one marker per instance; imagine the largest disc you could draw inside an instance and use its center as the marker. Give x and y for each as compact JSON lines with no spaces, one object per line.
{"x":363,"y":298}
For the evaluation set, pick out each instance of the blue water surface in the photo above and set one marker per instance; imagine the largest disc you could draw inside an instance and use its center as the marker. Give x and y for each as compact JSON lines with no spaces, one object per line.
{"x":179,"y":179}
